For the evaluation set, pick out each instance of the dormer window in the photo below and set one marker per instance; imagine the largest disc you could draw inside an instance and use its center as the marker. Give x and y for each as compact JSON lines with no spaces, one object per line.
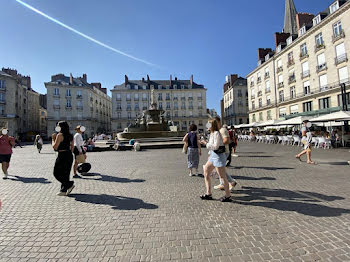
{"x":289,"y":40}
{"x":317,"y":20}
{"x":279,"y":48}
{"x":144,"y":87}
{"x":302,"y":30}
{"x":267,"y":57}
{"x":128,"y":87}
{"x":160,"y":87}
{"x":334,"y":7}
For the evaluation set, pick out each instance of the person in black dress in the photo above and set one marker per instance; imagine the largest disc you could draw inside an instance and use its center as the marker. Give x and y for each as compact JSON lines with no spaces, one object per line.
{"x":62,"y":142}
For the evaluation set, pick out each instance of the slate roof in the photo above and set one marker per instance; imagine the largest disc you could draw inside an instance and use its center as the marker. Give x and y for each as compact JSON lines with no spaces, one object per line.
{"x":157,"y":83}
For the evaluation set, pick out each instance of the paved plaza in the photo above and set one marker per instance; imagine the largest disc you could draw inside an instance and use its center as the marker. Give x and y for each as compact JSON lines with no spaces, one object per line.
{"x":143,"y":206}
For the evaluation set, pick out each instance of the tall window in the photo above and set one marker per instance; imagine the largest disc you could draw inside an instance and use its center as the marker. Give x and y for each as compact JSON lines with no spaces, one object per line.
{"x":294,"y":109}
{"x":136,"y":97}
{"x":307,"y":106}
{"x":269,"y":115}
{"x":306,"y":87}
{"x":324,"y":103}
{"x":260,"y":102}
{"x":343,"y":75}
{"x":2,"y":84}
{"x":303,"y":50}
{"x":267,"y":86}
{"x":68,"y":93}
{"x":69,"y":103}
{"x":321,"y":60}
{"x":323,"y":82}
{"x":290,"y":58}
{"x":281,"y":95}
{"x":292,"y":92}
{"x":167,"y":105}
{"x":128,"y":97}
{"x":319,"y":40}
{"x":167,"y":96}
{"x":267,"y":72}
{"x":118,"y":97}
{"x":79,"y":93}
{"x":334,"y":7}
{"x":283,"y":111}
{"x":129,"y":115}
{"x":337,"y":29}
{"x":56,"y":91}
{"x":268,"y":100}
{"x":160,"y":96}
{"x":176,"y":106}
{"x":305,"y":69}
{"x":2,"y":97}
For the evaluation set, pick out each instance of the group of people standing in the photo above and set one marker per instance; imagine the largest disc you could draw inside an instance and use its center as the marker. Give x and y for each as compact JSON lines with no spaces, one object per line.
{"x":221,"y":143}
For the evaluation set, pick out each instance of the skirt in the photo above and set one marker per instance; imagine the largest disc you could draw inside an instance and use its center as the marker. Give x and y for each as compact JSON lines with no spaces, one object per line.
{"x":218,"y":160}
{"x":192,"y":157}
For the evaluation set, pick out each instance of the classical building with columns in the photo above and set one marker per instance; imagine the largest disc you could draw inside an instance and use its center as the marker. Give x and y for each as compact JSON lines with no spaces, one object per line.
{"x":183,"y":101}
{"x":78,"y":102}
{"x":303,"y":74}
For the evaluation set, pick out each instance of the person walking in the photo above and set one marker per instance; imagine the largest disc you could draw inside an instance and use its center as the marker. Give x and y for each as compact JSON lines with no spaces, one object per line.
{"x":306,"y":140}
{"x":18,"y":142}
{"x":234,"y":140}
{"x":62,"y":142}
{"x":193,"y":150}
{"x":38,"y":142}
{"x":217,"y":160}
{"x":6,"y":144}
{"x":78,"y":149}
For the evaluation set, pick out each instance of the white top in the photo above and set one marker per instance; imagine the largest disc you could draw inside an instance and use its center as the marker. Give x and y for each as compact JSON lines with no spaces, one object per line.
{"x":215,"y":140}
{"x":78,"y":141}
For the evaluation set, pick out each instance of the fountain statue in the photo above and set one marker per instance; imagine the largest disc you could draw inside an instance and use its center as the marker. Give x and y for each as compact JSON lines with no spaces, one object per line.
{"x":151,"y":124}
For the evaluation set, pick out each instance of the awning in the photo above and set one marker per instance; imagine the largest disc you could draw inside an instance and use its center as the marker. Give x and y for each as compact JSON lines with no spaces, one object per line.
{"x":269,"y":123}
{"x":330,"y":124}
{"x":337,"y":116}
{"x":294,"y":121}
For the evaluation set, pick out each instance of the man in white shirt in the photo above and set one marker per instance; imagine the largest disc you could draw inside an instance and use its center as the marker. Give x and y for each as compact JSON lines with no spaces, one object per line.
{"x":78,"y":148}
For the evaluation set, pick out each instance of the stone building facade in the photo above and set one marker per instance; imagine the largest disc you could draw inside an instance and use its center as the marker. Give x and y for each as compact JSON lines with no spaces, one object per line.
{"x":302,"y":76}
{"x":183,"y":101}
{"x":235,"y":100}
{"x":19,"y":104}
{"x":79,"y":103}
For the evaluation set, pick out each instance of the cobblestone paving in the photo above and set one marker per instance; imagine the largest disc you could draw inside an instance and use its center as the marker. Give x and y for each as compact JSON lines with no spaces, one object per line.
{"x":143,"y":206}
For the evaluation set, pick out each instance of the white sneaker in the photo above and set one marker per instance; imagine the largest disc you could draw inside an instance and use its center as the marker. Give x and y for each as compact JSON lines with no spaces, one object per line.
{"x":234,"y":155}
{"x":190,"y":174}
{"x":62,"y":193}
{"x":5,"y":176}
{"x":70,"y":190}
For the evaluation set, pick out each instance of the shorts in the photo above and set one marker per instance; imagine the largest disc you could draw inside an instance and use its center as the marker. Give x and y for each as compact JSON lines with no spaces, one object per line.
{"x":218,"y":160}
{"x":76,"y":152}
{"x":5,"y":158}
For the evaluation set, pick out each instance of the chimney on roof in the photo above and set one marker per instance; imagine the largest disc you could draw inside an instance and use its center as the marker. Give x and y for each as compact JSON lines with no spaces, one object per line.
{"x":97,"y":85}
{"x":85,"y":77}
{"x":126,"y":80}
{"x":175,"y":78}
{"x":143,"y":79}
{"x":191,"y":80}
{"x":171,"y":79}
{"x":262,"y":52}
{"x":71,"y":79}
{"x":148,"y":79}
{"x":233,"y":79}
{"x":54,"y":78}
{"x":304,"y":19}
{"x":281,"y":38}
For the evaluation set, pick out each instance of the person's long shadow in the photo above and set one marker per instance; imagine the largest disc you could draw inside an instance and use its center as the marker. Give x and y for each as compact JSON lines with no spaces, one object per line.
{"x":116,"y":202}
{"x":306,"y":203}
{"x":270,"y":168}
{"x":253,"y":178}
{"x":26,"y":180}
{"x":107,"y":178}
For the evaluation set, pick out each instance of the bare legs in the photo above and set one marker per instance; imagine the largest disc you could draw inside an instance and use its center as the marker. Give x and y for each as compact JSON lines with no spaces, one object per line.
{"x":5,"y":166}
{"x":208,"y":168}
{"x":308,"y":156}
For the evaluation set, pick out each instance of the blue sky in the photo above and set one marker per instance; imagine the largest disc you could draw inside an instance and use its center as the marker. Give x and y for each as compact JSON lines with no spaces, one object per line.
{"x":206,"y":38}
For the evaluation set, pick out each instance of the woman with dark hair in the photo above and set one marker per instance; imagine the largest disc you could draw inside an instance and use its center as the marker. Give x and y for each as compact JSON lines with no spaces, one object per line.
{"x":217,"y":161}
{"x":63,"y":144}
{"x":194,"y":149}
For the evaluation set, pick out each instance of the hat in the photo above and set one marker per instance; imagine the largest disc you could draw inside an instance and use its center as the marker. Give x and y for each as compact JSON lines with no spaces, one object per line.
{"x":224,"y":126}
{"x":78,"y":127}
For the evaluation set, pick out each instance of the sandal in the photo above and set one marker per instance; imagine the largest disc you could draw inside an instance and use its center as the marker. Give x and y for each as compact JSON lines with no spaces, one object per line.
{"x":206,"y":197}
{"x":226,"y":199}
{"x":298,"y":157}
{"x":311,"y":163}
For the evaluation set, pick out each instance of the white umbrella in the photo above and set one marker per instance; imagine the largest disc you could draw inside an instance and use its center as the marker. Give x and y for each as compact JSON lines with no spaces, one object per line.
{"x":330,"y":124}
{"x":294,"y":121}
{"x":337,"y":116}
{"x":254,"y":124}
{"x":238,"y":126}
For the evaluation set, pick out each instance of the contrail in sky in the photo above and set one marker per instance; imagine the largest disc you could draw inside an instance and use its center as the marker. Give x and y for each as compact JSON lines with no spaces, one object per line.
{"x":83,"y":35}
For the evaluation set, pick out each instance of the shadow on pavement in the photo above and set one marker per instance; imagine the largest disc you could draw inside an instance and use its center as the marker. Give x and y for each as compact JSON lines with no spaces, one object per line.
{"x":257,"y":156}
{"x":306,"y":203}
{"x":263,"y":167}
{"x":333,"y":163}
{"x":106,"y":178}
{"x":26,"y":180}
{"x":253,"y":178}
{"x":116,"y":202}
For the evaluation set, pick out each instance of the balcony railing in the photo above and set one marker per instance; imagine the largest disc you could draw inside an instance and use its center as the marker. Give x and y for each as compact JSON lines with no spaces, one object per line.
{"x":144,"y":99}
{"x":320,"y":68}
{"x":338,"y":36}
{"x":190,"y":98}
{"x":279,"y":69}
{"x":305,"y":74}
{"x":251,"y":83}
{"x":267,"y":90}
{"x":136,"y":98}
{"x":79,"y":97}
{"x":259,"y":80}
{"x":290,"y":62}
{"x":119,"y":108}
{"x":175,"y":98}
{"x":199,"y":98}
{"x":79,"y":107}
{"x":267,"y":75}
{"x":291,"y":79}
{"x":259,"y":93}
{"x":319,"y":47}
{"x":3,"y":88}
{"x":252,"y":96}
{"x":303,"y":56}
{"x":167,"y":99}
{"x":280,"y":85}
{"x":117,"y":99}
{"x":183,"y":98}
{"x":341,"y":59}
{"x":56,"y":95}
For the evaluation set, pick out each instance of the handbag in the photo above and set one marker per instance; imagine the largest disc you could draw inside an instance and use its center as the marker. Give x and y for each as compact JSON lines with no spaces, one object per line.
{"x":80,"y":159}
{"x":220,"y":150}
{"x":184,"y":149}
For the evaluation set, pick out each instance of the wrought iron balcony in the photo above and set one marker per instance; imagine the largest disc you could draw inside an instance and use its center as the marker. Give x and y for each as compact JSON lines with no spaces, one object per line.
{"x":279,"y":69}
{"x":280,"y":85}
{"x":319,"y":47}
{"x":291,"y":79}
{"x":320,"y":68}
{"x":338,"y":36}
{"x":341,"y":59}
{"x":290,"y":62}
{"x":305,"y":74}
{"x":267,"y":75}
{"x":303,"y":56}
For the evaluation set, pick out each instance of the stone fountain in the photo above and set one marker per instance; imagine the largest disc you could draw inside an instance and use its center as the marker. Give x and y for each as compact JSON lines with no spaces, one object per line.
{"x":151,"y":124}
